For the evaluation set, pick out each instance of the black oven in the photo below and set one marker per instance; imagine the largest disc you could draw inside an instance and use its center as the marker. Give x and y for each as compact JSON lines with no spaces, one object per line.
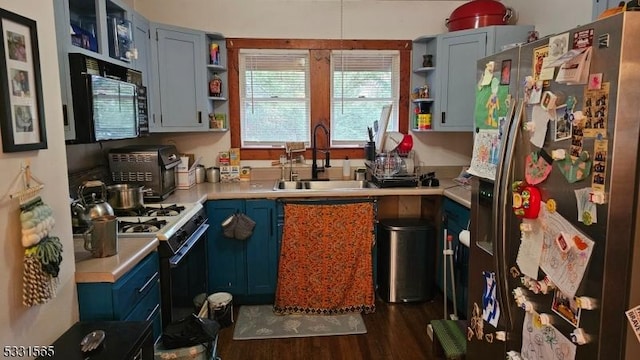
{"x":183,"y":268}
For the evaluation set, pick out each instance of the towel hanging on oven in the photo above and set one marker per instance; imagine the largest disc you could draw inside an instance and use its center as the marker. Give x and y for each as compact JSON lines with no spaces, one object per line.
{"x":238,"y":226}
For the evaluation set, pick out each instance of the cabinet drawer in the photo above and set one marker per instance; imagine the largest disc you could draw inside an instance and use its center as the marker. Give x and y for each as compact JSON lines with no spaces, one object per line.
{"x":131,"y":288}
{"x":148,"y":309}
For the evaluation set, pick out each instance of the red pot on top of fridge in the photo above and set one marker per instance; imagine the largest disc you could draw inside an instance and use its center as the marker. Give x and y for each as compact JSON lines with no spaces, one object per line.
{"x":479,"y":13}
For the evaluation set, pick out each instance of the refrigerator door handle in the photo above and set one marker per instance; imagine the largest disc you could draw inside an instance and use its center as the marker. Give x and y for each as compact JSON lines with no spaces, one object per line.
{"x":501,"y":192}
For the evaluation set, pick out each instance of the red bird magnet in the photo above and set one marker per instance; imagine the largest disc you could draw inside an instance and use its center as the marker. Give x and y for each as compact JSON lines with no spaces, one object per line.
{"x":526,"y":200}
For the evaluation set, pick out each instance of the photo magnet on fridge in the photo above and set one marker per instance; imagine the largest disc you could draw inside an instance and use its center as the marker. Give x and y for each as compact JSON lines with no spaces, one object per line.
{"x":566,"y":308}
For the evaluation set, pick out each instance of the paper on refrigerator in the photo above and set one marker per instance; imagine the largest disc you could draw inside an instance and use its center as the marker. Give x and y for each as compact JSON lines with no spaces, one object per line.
{"x":530,"y":250}
{"x":544,"y":342}
{"x":565,"y":269}
{"x":486,"y":150}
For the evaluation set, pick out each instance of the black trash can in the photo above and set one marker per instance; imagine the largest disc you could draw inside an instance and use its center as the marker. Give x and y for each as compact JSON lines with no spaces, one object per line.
{"x":406,"y":260}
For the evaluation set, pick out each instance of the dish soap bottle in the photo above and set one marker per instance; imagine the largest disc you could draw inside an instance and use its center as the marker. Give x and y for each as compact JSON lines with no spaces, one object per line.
{"x":346,"y":169}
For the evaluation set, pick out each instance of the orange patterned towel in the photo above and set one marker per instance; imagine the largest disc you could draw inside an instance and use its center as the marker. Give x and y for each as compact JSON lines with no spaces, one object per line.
{"x":325,"y":259}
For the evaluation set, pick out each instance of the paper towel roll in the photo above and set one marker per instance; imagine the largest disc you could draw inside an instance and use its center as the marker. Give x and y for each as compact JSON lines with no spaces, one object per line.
{"x":465,"y":237}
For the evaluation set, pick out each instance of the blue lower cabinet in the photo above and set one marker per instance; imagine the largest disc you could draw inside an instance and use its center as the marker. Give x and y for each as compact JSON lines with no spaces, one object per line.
{"x":133,"y":297}
{"x":245,"y":268}
{"x":455,"y":219}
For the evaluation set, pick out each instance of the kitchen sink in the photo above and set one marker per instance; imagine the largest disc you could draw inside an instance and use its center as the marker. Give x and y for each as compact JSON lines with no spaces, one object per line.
{"x":309,"y":185}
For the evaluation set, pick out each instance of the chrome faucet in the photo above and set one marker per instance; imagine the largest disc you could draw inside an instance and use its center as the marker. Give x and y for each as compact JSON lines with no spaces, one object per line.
{"x":314,"y":166}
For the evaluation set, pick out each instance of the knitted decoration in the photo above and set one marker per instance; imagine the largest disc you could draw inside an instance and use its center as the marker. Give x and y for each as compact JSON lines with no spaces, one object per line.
{"x":43,"y":253}
{"x":37,"y":221}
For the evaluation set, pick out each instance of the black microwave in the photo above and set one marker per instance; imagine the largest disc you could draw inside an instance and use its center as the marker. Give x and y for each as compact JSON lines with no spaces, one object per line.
{"x":105,"y":105}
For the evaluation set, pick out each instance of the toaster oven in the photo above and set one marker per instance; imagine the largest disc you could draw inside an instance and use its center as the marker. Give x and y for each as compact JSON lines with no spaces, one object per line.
{"x":152,"y":166}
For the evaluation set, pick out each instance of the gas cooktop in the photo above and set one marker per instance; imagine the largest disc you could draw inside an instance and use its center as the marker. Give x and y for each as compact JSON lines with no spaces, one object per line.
{"x":163,"y":220}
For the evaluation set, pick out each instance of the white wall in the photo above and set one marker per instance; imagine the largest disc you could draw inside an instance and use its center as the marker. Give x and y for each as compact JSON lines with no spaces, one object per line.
{"x":552,"y":16}
{"x":38,"y":325}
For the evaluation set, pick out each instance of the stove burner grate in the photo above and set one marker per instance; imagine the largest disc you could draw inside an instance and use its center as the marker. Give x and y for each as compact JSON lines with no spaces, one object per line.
{"x":157,"y":210}
{"x":151,"y":225}
{"x":170,"y":210}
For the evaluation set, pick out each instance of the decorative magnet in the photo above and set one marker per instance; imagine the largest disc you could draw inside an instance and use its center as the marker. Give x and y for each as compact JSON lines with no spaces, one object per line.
{"x":526,"y":227}
{"x":597,"y":197}
{"x":513,"y":355}
{"x":551,"y":206}
{"x":518,"y":292}
{"x":526,"y":200}
{"x":529,"y":126}
{"x":546,"y":319}
{"x":575,"y":169}
{"x":501,"y":335}
{"x":488,"y":338}
{"x":527,"y":306}
{"x":549,"y":283}
{"x":543,"y":287}
{"x":586,"y":303}
{"x":579,"y":243}
{"x":548,"y":101}
{"x":562,"y":242}
{"x":537,"y":167}
{"x":514,"y":272}
{"x":579,"y":337}
{"x":558,"y":154}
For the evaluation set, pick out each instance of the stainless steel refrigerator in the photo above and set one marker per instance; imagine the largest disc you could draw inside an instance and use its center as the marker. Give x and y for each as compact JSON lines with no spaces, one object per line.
{"x":555,"y":249}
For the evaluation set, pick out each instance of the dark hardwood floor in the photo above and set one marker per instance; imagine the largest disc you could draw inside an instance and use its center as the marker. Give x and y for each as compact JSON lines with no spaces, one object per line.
{"x":394,"y":331}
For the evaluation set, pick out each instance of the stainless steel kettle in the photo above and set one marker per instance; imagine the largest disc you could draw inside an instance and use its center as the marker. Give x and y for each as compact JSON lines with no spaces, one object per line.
{"x":84,"y":211}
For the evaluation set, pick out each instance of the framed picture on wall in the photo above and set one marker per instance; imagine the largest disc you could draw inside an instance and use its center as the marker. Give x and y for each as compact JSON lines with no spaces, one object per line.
{"x":21,"y":105}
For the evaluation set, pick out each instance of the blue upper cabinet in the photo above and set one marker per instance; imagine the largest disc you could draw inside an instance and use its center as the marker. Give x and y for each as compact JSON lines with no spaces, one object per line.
{"x":452,"y":78}
{"x":102,"y":29}
{"x":142,"y":45}
{"x":458,"y":55}
{"x":601,"y":5}
{"x":99,"y":28}
{"x":179,"y":87}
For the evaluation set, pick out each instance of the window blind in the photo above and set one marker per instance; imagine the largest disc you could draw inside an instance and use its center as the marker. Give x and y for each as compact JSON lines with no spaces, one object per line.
{"x":274,"y":97}
{"x":363,"y":81}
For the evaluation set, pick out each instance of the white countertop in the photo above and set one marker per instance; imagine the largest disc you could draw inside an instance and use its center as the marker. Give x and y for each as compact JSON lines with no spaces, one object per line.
{"x":132,"y":250}
{"x":109,"y":269}
{"x":264,"y":189}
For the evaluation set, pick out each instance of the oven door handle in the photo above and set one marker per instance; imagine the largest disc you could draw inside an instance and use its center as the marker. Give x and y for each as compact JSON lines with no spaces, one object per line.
{"x":193,"y":239}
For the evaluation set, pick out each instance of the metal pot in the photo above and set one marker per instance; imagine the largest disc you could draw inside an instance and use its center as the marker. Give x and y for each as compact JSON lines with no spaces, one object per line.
{"x":84,"y":211}
{"x":126,"y":196}
{"x":479,"y":13}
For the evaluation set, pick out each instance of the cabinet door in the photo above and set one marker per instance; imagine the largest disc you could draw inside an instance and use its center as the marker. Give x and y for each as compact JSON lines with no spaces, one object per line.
{"x":142,"y":43}
{"x":262,"y":248}
{"x":226,"y":257}
{"x":456,"y":218}
{"x":180,"y":81}
{"x":457,"y":58}
{"x":61,"y":13}
{"x":601,"y":5}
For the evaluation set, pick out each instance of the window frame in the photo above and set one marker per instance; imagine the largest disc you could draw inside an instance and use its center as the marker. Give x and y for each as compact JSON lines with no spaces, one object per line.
{"x":320,"y":84}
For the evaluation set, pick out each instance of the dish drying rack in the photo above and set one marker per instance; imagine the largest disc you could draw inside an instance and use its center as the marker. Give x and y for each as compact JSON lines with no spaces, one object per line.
{"x":383,"y":178}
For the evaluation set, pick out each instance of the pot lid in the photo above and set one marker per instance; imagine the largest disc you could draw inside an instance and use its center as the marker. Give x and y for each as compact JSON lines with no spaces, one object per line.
{"x":478,"y":8}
